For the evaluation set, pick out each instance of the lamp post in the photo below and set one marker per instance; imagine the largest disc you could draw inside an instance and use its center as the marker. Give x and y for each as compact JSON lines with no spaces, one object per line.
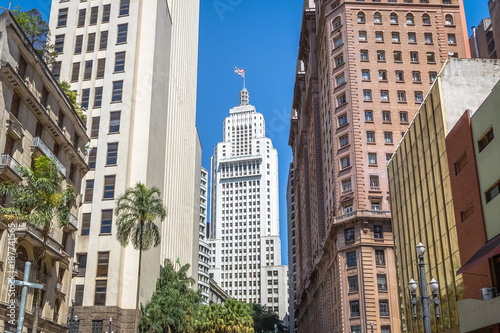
{"x":109,"y":329}
{"x":371,"y":324}
{"x":424,"y":299}
{"x":73,"y":320}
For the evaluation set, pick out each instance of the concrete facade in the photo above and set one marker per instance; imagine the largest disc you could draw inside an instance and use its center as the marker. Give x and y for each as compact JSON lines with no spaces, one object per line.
{"x":292,"y":281}
{"x":36,"y":119}
{"x":244,"y":220}
{"x":134,"y":66}
{"x":363,"y":69}
{"x":204,"y":248}
{"x":485,"y":38}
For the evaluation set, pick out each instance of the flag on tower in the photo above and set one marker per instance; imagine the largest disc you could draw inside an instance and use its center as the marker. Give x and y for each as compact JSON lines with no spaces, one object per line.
{"x":240,"y":72}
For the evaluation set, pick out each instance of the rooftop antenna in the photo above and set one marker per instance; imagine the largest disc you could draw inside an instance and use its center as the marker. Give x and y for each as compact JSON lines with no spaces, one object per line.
{"x":10,"y":4}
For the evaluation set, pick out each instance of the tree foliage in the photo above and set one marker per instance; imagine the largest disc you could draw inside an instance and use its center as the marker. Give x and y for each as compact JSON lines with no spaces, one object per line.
{"x":38,"y":32}
{"x":72,"y":95}
{"x":231,"y":317}
{"x":265,"y":320}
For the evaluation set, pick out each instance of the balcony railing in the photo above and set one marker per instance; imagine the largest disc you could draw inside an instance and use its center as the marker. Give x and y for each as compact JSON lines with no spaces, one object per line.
{"x":8,"y":161}
{"x":37,"y":142}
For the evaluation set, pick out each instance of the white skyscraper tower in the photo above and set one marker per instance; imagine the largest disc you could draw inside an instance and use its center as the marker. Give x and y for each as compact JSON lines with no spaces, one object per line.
{"x":244,"y":228}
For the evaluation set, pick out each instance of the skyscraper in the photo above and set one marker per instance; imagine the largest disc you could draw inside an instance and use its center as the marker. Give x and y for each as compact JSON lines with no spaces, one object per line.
{"x":362,"y":71}
{"x":244,"y":216}
{"x":292,"y":283}
{"x":204,"y":248}
{"x":134,"y":66}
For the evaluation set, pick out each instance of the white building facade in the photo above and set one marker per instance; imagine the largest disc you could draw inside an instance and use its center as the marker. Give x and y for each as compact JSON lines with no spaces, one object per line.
{"x":244,"y":228}
{"x":204,"y":248}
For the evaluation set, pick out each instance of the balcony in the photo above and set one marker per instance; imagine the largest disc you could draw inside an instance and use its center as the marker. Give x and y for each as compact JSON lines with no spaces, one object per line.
{"x":73,"y":222}
{"x":35,"y":236}
{"x":9,"y":167}
{"x":39,"y":144}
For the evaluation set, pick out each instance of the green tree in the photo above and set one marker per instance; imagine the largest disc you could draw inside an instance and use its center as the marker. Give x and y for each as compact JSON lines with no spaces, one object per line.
{"x":38,"y":200}
{"x":72,"y":95}
{"x":231,"y":317}
{"x":265,"y":320}
{"x":38,"y":32}
{"x":136,"y":210}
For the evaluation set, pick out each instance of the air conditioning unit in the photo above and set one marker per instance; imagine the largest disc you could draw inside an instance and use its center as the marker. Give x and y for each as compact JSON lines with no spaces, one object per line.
{"x":488,"y":293}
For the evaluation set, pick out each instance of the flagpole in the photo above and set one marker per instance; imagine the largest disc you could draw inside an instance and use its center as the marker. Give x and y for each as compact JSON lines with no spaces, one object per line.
{"x":243,"y":81}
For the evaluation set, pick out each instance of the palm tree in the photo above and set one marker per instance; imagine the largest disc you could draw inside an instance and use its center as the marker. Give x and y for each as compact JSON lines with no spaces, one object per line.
{"x":136,"y":210}
{"x":38,"y":200}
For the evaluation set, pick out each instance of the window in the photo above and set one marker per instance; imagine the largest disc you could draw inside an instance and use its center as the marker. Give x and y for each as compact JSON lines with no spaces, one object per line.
{"x":339,"y":79}
{"x":346,"y":185}
{"x":370,"y":137}
{"x":385,"y":329}
{"x":81,"y":17}
{"x":372,"y":158}
{"x":87,"y":73}
{"x":85,"y":98}
{"x":354,"y":306}
{"x":349,"y":235}
{"x":401,"y":96}
{"x":124,"y":7}
{"x":384,"y":96}
{"x":102,"y":264}
{"x":467,"y":213}
{"x":345,"y":162}
{"x":369,"y":116}
{"x":341,"y":100}
{"x":78,"y":44}
{"x":395,"y":37}
{"x":89,"y":190}
{"x":386,"y":116}
{"x":351,"y":259}
{"x":337,"y":42}
{"x":56,"y":70}
{"x":79,"y":295}
{"x":357,"y":328}
{"x":430,"y":57}
{"x":114,"y":122}
{"x":348,"y":208}
{"x":94,"y":13}
{"x":388,"y":158}
{"x":398,"y":56}
{"x":365,"y":74}
{"x":384,"y":308}
{"x":106,"y":10}
{"x":117,"y":91}
{"x":381,"y":282}
{"x":92,"y":158}
{"x":374,"y":183}
{"x":94,"y":130}
{"x":380,"y":55}
{"x":362,"y":36}
{"x":344,"y":140}
{"x":98,"y":97}
{"x":378,"y":230}
{"x":361,"y":17}
{"x":414,"y":57}
{"x":44,"y":98}
{"x":103,"y":42}
{"x":367,"y":95}
{"x":418,"y":97}
{"x":403,"y":117}
{"x":353,"y":283}
{"x":379,"y":258}
{"x":416,"y":77}
{"x":91,"y":42}
{"x":82,"y":263}
{"x":59,"y":43}
{"x":85,"y":224}
{"x":377,"y":18}
{"x":492,"y":192}
{"x":400,"y":76}
{"x":106,"y":221}
{"x":109,"y":187}
{"x":394,"y":18}
{"x":412,"y":38}
{"x":432,"y":76}
{"x":122,"y":33}
{"x":337,"y":23}
{"x":112,"y":156}
{"x":363,"y":55}
{"x":100,"y":68}
{"x":379,"y":36}
{"x":388,"y":137}
{"x":448,"y":20}
{"x":410,"y":19}
{"x":382,"y":75}
{"x":75,"y":72}
{"x":62,"y":18}
{"x":343,"y":119}
{"x":426,"y":19}
{"x":99,"y":299}
{"x":452,"y":40}
{"x":339,"y":60}
{"x":428,"y":38}
{"x":376,"y":205}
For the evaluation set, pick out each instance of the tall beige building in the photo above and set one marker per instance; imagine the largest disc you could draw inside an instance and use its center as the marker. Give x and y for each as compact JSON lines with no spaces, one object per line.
{"x":363,"y":69}
{"x":134,"y":67}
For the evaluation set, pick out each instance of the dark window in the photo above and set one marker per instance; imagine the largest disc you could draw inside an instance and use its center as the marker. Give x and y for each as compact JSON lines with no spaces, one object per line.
{"x":98,"y":97}
{"x":119,"y":61}
{"x":22,"y":67}
{"x":385,"y":329}
{"x":351,"y":259}
{"x":85,"y":224}
{"x":38,"y":129}
{"x":79,"y":294}
{"x":94,"y":130}
{"x":56,"y":70}
{"x":379,"y":257}
{"x":381,"y":282}
{"x":117,"y":91}
{"x":102,"y":264}
{"x":99,"y":299}
{"x":461,"y":163}
{"x":106,"y":221}
{"x":114,"y":122}
{"x":467,"y":213}
{"x":112,"y":155}
{"x":60,"y":119}
{"x":378,"y":232}
{"x":15,"y":105}
{"x":492,"y":192}
{"x":55,"y":151}
{"x":349,"y":235}
{"x":89,"y":190}
{"x":44,"y":98}
{"x":384,"y":308}
{"x":92,"y":157}
{"x":82,"y":263}
{"x":87,"y":73}
{"x":100,"y":68}
{"x":62,"y":18}
{"x":354,"y":306}
{"x":94,"y":13}
{"x":353,"y":283}
{"x":356,"y":329}
{"x":91,"y":42}
{"x":103,"y":43}
{"x":85,"y":98}
{"x":81,"y":17}
{"x":106,"y":9}
{"x":485,"y":139}
{"x":59,"y":44}
{"x":109,"y":187}
{"x":75,"y":73}
{"x":78,"y":44}
{"x":122,"y":33}
{"x":124,"y":7}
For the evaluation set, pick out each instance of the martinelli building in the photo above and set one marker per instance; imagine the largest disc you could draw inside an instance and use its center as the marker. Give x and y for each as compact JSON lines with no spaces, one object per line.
{"x":244,"y":228}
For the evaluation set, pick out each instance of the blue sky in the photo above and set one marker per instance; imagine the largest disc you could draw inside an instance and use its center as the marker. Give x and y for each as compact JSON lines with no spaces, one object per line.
{"x":262,"y":37}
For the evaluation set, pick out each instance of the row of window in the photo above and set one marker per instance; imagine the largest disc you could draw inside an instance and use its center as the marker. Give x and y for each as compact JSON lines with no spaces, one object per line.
{"x":386,"y":118}
{"x":409,"y":19}
{"x":62,"y":17}
{"x":378,"y":230}
{"x":398,"y":57}
{"x":347,"y":208}
{"x":101,"y":63}
{"x":108,"y":192}
{"x":91,"y":40}
{"x":383,"y":308}
{"x":396,"y":38}
{"x":101,"y":278}
{"x":374,"y":179}
{"x":351,"y":258}
{"x":416,"y":76}
{"x":384,"y":96}
{"x":354,"y":287}
{"x":116,"y":95}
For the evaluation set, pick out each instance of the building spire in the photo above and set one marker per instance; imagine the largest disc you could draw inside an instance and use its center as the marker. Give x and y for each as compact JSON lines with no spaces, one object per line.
{"x":244,"y":97}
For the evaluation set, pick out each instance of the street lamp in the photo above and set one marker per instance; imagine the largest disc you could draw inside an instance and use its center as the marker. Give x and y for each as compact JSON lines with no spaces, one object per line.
{"x":73,"y":320}
{"x":424,"y":299}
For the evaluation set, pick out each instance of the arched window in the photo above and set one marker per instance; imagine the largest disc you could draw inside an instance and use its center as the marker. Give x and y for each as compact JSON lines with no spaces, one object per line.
{"x":426,"y":19}
{"x":394,"y":18}
{"x":410,"y":19}
{"x":337,"y":22}
{"x":377,"y":18}
{"x":448,"y":19}
{"x":21,"y":258}
{"x":361,"y":17}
